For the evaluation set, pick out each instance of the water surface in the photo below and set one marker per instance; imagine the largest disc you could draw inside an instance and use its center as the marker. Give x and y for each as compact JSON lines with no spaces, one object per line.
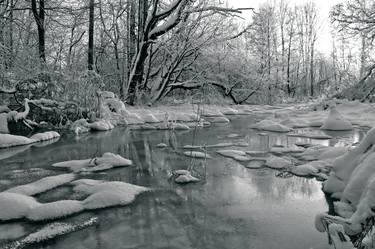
{"x":232,"y":207}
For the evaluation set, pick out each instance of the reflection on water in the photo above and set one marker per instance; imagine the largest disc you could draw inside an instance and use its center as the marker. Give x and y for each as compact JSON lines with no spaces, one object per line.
{"x":233,"y":207}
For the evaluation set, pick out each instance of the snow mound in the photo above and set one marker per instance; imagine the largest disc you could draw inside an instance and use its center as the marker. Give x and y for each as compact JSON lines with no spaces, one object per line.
{"x":339,"y":237}
{"x":184,"y":176}
{"x":54,"y":210}
{"x":45,"y":136}
{"x":101,"y":125}
{"x":114,"y":160}
{"x":320,"y":152}
{"x":8,"y":140}
{"x":282,"y":150}
{"x":80,"y":126}
{"x":161,"y":145}
{"x":238,"y":155}
{"x":304,"y":170}
{"x":74,"y":165}
{"x":270,"y":125}
{"x":178,"y":126}
{"x":15,"y":206}
{"x":336,"y":122}
{"x":219,"y":120}
{"x":275,"y":162}
{"x":197,"y":154}
{"x":211,"y":113}
{"x":42,"y":185}
{"x":229,"y":111}
{"x":343,"y":166}
{"x":255,"y":164}
{"x":358,"y":180}
{"x":108,"y":194}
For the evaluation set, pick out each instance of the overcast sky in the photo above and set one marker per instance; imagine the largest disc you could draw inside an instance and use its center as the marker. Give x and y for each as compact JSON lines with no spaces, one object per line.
{"x":324,"y":40}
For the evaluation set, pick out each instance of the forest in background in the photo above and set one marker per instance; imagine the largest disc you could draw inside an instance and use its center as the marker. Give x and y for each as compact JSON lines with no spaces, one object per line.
{"x":151,"y":50}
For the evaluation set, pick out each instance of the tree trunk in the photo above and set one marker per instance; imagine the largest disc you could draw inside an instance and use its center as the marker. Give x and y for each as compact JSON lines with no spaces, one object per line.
{"x":39,"y":19}
{"x":90,"y":57}
{"x":136,"y":75}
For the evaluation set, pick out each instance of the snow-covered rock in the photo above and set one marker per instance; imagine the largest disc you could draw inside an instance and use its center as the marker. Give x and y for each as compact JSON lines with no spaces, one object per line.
{"x":101,"y":125}
{"x":107,"y":158}
{"x":219,"y":120}
{"x":270,"y":125}
{"x":184,"y":176}
{"x":15,"y":206}
{"x":358,"y":180}
{"x":275,"y":162}
{"x":339,"y":238}
{"x":45,"y":136}
{"x":344,"y":165}
{"x":197,"y":154}
{"x":255,"y":164}
{"x":282,"y":150}
{"x":80,"y":126}
{"x":211,"y":113}
{"x":161,"y":145}
{"x":229,"y":111}
{"x":304,"y":170}
{"x":238,"y":155}
{"x":8,"y":140}
{"x":42,"y":185}
{"x":54,"y":210}
{"x":336,"y":122}
{"x":109,"y":194}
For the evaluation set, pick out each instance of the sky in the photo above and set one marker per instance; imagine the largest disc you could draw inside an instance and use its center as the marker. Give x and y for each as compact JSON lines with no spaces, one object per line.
{"x":324,"y":39}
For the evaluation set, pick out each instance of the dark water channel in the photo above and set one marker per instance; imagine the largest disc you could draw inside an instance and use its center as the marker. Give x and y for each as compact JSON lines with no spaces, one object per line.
{"x":233,"y":207}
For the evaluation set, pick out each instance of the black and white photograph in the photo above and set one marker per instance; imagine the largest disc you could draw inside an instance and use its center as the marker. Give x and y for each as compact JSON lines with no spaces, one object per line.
{"x":187,"y":124}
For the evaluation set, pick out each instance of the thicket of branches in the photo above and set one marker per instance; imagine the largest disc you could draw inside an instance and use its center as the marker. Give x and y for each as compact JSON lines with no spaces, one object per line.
{"x":145,"y":51}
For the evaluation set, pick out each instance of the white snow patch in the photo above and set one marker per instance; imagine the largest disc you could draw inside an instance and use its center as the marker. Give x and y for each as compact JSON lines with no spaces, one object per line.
{"x":42,"y":185}
{"x":197,"y":154}
{"x":54,"y":210}
{"x":270,"y":125}
{"x":275,"y":162}
{"x":15,"y":206}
